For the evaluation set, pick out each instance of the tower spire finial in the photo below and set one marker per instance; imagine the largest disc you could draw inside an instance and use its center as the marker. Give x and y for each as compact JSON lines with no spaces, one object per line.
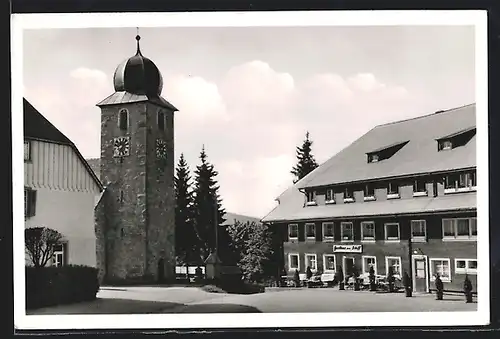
{"x":138,"y":38}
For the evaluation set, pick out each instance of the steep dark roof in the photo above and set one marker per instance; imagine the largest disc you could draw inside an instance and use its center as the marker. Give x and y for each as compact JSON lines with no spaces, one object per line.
{"x":37,"y":127}
{"x":419,"y":156}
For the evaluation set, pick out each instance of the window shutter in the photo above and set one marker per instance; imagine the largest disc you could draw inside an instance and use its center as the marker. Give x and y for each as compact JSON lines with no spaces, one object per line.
{"x":32,"y":203}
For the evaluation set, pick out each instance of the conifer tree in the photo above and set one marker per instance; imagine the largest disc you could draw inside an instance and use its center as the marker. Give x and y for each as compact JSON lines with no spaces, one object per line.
{"x":208,"y":204}
{"x":187,"y":242}
{"x":305,"y":160}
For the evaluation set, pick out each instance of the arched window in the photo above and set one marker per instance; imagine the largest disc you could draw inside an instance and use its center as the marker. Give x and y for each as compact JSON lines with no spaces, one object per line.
{"x":123,"y":119}
{"x":161,"y":121}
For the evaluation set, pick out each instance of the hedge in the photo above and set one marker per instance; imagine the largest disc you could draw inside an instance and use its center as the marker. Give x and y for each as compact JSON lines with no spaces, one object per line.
{"x":50,"y":286}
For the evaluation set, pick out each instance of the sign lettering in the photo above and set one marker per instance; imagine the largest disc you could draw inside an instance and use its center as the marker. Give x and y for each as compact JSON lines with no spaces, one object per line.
{"x":347,"y":248}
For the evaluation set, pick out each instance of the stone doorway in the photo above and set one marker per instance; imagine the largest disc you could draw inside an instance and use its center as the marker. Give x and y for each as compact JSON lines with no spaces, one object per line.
{"x":161,"y":270}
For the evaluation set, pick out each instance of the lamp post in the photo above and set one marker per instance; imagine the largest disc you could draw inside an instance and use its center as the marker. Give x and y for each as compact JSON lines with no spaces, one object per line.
{"x":409,"y":288}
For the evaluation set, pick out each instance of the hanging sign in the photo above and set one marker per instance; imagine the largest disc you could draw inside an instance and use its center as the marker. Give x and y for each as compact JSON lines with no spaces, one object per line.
{"x":347,"y":248}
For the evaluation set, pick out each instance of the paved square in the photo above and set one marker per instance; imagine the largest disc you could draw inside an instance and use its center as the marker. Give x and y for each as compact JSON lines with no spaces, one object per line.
{"x":194,"y":300}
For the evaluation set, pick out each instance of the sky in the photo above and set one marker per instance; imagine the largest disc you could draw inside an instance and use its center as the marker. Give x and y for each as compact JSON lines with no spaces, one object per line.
{"x":249,"y":94}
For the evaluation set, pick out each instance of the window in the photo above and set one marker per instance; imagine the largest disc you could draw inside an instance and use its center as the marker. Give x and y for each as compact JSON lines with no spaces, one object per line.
{"x":457,"y":182}
{"x":419,"y":186}
{"x":293,"y":232}
{"x":441,"y":267}
{"x":58,"y":258}
{"x":348,"y":195}
{"x":29,"y":202}
{"x":460,"y":228}
{"x":392,"y":231}
{"x":27,"y":150}
{"x":369,"y":192}
{"x":418,"y":230}
{"x":311,"y":262}
{"x":373,"y":158}
{"x":445,"y":145}
{"x":310,"y":231}
{"x":368,"y":230}
{"x":393,"y":190}
{"x":346,"y":231}
{"x":123,"y":119}
{"x":327,"y":230}
{"x":329,"y":195}
{"x":473,"y":227}
{"x":467,"y":180}
{"x":328,"y":262}
{"x":463,"y":266}
{"x":369,"y":262}
{"x":161,"y":121}
{"x":395,"y":263}
{"x":293,"y":262}
{"x":311,"y":197}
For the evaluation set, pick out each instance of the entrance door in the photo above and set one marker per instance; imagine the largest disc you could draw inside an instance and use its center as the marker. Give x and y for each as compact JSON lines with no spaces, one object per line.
{"x":348,"y":266}
{"x":161,"y":270}
{"x":420,"y":275}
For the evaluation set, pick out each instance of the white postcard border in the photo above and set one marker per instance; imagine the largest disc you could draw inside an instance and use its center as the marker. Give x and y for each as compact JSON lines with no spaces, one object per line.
{"x":242,"y":19}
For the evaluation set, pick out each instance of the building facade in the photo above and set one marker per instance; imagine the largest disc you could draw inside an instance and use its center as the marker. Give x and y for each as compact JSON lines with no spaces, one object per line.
{"x":60,"y":190}
{"x":135,"y":217}
{"x":402,"y":196}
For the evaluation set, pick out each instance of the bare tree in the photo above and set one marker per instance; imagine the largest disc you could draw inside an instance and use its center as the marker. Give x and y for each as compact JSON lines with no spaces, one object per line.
{"x":40,"y":243}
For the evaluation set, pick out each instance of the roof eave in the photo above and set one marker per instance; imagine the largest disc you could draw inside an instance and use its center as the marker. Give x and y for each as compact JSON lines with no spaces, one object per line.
{"x":456,"y":210}
{"x":397,"y":177}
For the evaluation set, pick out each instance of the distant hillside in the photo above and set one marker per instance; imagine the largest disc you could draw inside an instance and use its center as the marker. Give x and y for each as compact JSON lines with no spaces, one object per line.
{"x":231,"y":217}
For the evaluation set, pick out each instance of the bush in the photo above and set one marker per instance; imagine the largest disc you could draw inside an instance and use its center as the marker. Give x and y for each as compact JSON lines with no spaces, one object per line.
{"x":50,"y":286}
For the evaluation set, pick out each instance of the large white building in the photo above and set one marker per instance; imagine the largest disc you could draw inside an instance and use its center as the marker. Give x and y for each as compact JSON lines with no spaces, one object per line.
{"x":60,"y":189}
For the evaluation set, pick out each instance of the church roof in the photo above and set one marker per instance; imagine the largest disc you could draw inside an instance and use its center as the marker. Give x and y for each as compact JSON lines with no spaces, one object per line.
{"x":123,"y":97}
{"x":137,"y":79}
{"x":37,"y":127}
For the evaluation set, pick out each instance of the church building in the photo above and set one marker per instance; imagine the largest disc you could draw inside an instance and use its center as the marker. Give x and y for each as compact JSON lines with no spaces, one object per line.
{"x":134,"y":219}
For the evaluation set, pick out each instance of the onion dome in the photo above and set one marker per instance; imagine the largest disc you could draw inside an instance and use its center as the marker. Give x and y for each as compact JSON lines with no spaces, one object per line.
{"x":138,"y":75}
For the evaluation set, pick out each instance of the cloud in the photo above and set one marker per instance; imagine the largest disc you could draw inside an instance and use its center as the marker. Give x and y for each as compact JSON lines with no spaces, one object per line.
{"x":94,"y":75}
{"x":250,"y":187}
{"x":250,"y":120}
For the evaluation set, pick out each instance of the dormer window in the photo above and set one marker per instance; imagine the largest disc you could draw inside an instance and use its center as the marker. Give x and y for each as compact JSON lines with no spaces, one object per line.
{"x":460,"y":182}
{"x":456,"y":139}
{"x":369,"y":192}
{"x":311,"y":198}
{"x":419,"y":188}
{"x":385,"y":152}
{"x":348,"y":195}
{"x":329,"y":196}
{"x":445,"y":145}
{"x":393,"y":190}
{"x":373,"y":158}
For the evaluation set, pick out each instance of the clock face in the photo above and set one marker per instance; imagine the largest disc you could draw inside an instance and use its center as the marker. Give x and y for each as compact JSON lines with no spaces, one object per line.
{"x":121,"y":147}
{"x":161,"y":149}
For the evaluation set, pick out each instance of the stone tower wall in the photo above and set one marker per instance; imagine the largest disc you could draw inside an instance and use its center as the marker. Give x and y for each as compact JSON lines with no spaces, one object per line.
{"x":125,"y":217}
{"x":160,"y":196}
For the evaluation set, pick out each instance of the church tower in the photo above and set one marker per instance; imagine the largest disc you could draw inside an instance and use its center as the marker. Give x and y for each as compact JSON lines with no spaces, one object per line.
{"x":136,"y":227}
